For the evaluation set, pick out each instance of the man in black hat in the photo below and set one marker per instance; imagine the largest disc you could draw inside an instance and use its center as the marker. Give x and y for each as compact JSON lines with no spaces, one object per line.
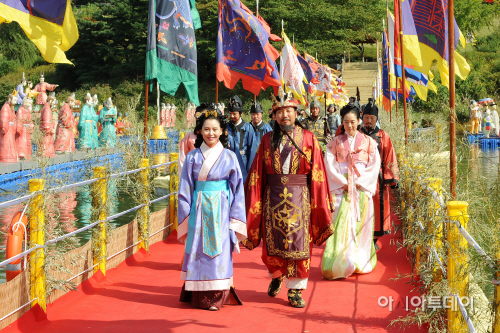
{"x":259,"y":126}
{"x":388,"y":175}
{"x":316,"y":124}
{"x":272,"y":115}
{"x":241,"y":136}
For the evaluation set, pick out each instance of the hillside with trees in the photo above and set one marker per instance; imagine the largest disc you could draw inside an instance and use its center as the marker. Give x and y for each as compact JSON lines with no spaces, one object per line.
{"x":109,"y":56}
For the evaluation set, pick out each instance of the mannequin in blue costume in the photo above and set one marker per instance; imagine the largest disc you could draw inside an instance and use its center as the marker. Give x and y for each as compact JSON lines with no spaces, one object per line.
{"x":259,"y":126}
{"x":107,"y":118}
{"x":242,"y":140}
{"x":87,"y":125}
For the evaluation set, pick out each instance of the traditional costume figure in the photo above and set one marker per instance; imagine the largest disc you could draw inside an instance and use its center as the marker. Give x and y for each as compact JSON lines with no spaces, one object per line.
{"x":212,"y":215}
{"x":42,"y":88}
{"x":172,"y":115}
{"x":107,"y":118}
{"x":288,"y":201}
{"x":24,"y":129}
{"x":20,"y":92}
{"x":259,"y":126}
{"x":185,"y":146}
{"x":190,"y":115}
{"x":475,"y":118}
{"x":162,"y":115}
{"x":87,"y":125}
{"x":352,"y":162}
{"x":494,"y":119}
{"x":487,"y":123}
{"x":333,"y":118}
{"x":242,"y":139}
{"x":65,"y":136}
{"x":47,"y":127}
{"x":388,"y":175}
{"x":317,"y":125}
{"x":8,"y":151}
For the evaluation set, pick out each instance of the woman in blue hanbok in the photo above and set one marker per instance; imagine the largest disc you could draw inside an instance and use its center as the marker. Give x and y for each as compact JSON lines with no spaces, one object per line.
{"x":212,"y":214}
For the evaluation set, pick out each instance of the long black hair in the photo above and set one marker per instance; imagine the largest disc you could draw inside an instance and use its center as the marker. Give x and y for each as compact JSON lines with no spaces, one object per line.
{"x":209,"y":111}
{"x":350,"y":108}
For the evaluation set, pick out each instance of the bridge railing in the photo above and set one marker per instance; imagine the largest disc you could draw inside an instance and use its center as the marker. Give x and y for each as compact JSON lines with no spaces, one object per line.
{"x":35,"y":207}
{"x":445,"y":247}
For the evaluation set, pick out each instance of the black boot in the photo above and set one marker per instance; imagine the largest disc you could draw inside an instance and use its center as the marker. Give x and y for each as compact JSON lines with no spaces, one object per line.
{"x":295,"y":298}
{"x":275,"y":286}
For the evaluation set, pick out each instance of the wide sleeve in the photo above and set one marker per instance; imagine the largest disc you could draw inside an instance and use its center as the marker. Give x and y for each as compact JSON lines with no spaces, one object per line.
{"x":20,"y":120}
{"x":369,"y":175}
{"x":390,"y":170}
{"x":4,"y":119}
{"x":50,"y":87}
{"x":336,"y":179}
{"x":322,"y":204}
{"x":237,"y":218}
{"x":254,"y":201}
{"x":185,"y":198}
{"x":21,"y":93}
{"x":83,"y":116}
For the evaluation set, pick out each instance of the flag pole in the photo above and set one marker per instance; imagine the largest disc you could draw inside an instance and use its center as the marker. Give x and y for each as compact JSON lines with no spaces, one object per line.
{"x":403,"y":75}
{"x":216,"y":90}
{"x":158,"y":101}
{"x":281,"y":57}
{"x":257,"y":9}
{"x":146,"y":119}
{"x":451,"y":65}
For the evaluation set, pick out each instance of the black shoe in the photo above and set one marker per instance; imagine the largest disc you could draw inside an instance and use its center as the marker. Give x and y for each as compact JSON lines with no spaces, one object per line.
{"x":275,"y":286}
{"x":295,"y":298}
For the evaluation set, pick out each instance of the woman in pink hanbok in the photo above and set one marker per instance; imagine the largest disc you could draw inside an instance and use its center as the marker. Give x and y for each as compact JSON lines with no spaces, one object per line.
{"x":65,"y":136}
{"x":353,"y":163}
{"x":24,"y":129}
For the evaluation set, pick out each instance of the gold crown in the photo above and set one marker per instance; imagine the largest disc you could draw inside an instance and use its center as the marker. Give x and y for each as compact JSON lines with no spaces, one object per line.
{"x":14,"y":92}
{"x":207,"y":113}
{"x":286,"y":100}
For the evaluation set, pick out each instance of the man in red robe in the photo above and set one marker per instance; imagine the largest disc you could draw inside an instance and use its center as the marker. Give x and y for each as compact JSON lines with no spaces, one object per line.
{"x":389,"y":172}
{"x":288,"y":201}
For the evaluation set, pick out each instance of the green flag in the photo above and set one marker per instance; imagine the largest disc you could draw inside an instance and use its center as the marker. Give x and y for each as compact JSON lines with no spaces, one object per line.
{"x":171,"y":51}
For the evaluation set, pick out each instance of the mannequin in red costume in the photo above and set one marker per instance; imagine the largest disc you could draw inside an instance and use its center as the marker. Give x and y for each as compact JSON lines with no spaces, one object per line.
{"x":42,"y":88}
{"x":65,"y":137}
{"x":24,"y":129}
{"x":47,"y":127}
{"x":8,"y":151}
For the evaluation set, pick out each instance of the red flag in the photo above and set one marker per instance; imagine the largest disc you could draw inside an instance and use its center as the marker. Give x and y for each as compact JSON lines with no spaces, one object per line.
{"x":397,"y":54}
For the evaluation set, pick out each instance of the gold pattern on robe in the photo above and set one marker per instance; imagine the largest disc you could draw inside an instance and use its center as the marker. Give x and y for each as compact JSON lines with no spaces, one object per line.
{"x":274,"y":262}
{"x":307,"y":264}
{"x":308,"y":153}
{"x":292,"y":268}
{"x":255,"y":234}
{"x":267,"y":156}
{"x":299,"y":138}
{"x":257,"y":208}
{"x":317,"y":175}
{"x":286,"y":224}
{"x":254,"y":177}
{"x":315,"y":231}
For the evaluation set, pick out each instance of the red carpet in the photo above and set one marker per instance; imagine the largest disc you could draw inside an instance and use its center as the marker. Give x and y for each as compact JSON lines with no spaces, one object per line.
{"x":142,"y":295}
